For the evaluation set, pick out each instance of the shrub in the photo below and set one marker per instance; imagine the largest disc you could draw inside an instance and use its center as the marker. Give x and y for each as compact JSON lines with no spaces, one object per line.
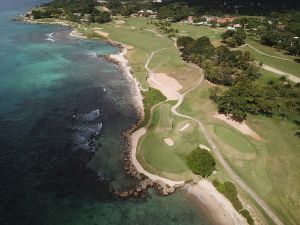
{"x":245,"y":213}
{"x":201,"y":162}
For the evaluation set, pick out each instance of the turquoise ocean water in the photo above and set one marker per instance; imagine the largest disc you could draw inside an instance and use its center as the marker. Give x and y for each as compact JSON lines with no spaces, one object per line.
{"x":51,"y":169}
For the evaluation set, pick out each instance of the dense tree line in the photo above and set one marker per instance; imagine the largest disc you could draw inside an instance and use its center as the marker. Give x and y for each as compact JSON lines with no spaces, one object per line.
{"x":174,"y":12}
{"x":234,"y":38}
{"x":245,"y":7}
{"x":279,"y":30}
{"x":221,"y":65}
{"x":72,"y":10}
{"x":237,"y":70}
{"x":280,"y":98}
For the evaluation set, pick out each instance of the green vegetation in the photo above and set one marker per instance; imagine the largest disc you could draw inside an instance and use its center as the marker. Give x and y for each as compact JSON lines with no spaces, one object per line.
{"x":245,"y":213}
{"x":261,"y":164}
{"x":228,"y":189}
{"x":280,"y":98}
{"x":165,"y":121}
{"x":234,"y":38}
{"x":151,"y":98}
{"x":174,"y":12}
{"x":221,"y":66}
{"x":72,"y":10}
{"x":232,"y":139}
{"x":280,"y":32}
{"x":169,"y":161}
{"x":201,"y":162}
{"x":235,"y":69}
{"x":287,"y":66}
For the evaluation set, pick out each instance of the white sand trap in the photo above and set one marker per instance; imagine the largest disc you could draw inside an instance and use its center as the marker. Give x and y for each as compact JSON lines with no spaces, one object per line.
{"x":167,"y":85}
{"x":169,"y":142}
{"x":101,"y":33}
{"x":242,"y":127}
{"x":184,"y":127}
{"x":201,"y":146}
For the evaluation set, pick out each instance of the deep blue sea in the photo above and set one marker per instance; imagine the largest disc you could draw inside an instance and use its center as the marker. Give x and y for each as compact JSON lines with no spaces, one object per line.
{"x":55,"y":169}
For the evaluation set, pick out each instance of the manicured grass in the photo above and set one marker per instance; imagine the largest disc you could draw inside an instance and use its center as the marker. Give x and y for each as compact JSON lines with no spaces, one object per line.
{"x":165,"y":120}
{"x":231,"y":138}
{"x":146,"y":42}
{"x":151,"y":98}
{"x":290,"y":67}
{"x":269,"y":50}
{"x":199,"y":31}
{"x":154,"y":118}
{"x":270,"y":167}
{"x":267,"y":77}
{"x":169,"y":161}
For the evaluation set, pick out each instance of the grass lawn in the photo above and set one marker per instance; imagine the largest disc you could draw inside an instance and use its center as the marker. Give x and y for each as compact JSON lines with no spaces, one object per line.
{"x":165,"y":120}
{"x":270,"y":167}
{"x":134,"y":33}
{"x":268,"y":76}
{"x":169,"y":161}
{"x":290,"y":67}
{"x":199,"y":31}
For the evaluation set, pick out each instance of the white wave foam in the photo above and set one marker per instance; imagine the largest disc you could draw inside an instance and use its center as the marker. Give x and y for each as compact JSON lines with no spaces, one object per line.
{"x":50,"y":35}
{"x":50,"y":39}
{"x":92,"y":115}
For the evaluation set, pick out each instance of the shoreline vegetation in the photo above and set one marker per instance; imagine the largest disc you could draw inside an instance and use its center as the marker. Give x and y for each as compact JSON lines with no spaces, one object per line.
{"x":217,"y":208}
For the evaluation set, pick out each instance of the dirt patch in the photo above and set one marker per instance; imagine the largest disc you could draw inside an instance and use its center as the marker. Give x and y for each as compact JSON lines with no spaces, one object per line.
{"x":242,"y":127}
{"x":167,"y":85}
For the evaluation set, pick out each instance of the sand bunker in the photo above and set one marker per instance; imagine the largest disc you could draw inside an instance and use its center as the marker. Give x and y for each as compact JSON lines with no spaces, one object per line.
{"x":184,"y":127}
{"x":242,"y":127}
{"x":167,"y":85}
{"x":201,"y":146}
{"x":219,"y":207}
{"x":169,"y":142}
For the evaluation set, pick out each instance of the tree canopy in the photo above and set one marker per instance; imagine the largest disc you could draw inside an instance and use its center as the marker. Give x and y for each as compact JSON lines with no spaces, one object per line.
{"x":201,"y":162}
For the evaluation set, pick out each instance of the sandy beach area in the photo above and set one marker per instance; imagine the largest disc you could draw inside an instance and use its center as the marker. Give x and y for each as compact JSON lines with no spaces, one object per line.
{"x":135,"y":86}
{"x":218,"y":209}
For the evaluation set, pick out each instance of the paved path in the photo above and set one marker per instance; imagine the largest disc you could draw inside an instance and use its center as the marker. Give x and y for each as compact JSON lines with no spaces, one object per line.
{"x":276,"y":71}
{"x":272,"y":56}
{"x":273,"y":70}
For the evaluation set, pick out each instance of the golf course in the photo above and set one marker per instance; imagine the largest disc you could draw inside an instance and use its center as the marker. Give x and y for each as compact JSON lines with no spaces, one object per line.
{"x":262,"y":166}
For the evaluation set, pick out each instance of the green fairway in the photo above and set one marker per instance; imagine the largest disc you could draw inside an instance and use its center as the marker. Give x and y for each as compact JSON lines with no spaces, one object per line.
{"x":198,"y":31}
{"x":290,"y":67}
{"x":268,"y":76}
{"x":270,"y":166}
{"x":165,"y":120}
{"x":231,"y":138}
{"x":135,"y":32}
{"x":169,"y":161}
